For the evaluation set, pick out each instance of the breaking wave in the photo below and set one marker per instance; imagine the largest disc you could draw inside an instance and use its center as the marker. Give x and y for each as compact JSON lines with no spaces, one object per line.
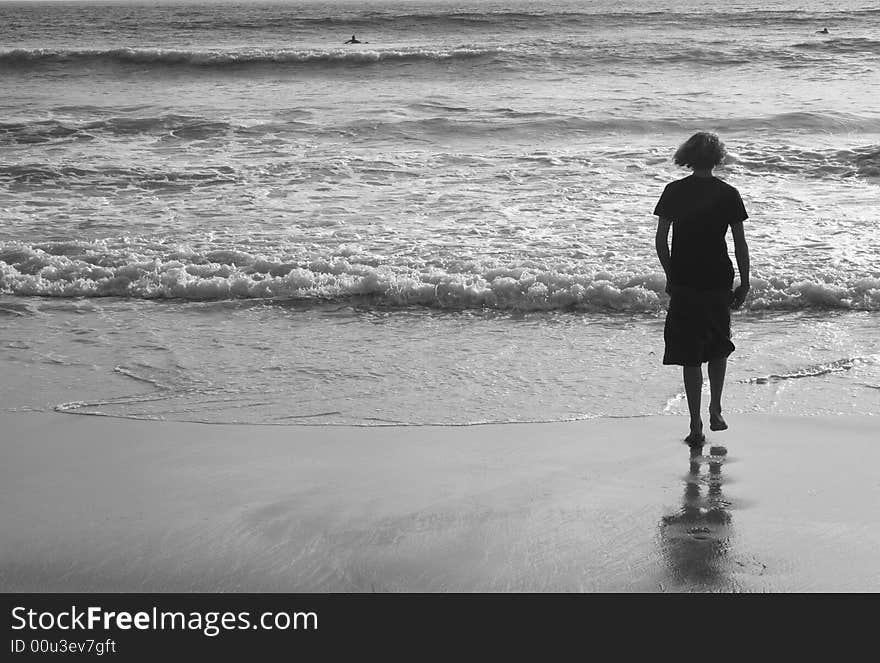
{"x":74,"y":269}
{"x":161,"y":57}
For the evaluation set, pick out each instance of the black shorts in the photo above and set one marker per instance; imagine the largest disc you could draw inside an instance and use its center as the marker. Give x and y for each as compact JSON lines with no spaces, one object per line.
{"x":697,"y":326}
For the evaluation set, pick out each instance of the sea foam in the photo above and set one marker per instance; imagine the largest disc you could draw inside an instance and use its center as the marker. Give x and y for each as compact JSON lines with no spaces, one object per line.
{"x":234,"y":274}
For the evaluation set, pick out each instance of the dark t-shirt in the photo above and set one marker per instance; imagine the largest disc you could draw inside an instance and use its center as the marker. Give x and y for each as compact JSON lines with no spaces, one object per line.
{"x":701,"y":209}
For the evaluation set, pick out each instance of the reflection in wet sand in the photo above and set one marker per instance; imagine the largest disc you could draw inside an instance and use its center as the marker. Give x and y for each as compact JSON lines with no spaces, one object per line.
{"x":695,"y":541}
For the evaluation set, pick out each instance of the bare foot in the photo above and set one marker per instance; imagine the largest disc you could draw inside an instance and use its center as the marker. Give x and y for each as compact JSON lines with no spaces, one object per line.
{"x":716,"y":421}
{"x":695,"y":439}
{"x":696,"y":436}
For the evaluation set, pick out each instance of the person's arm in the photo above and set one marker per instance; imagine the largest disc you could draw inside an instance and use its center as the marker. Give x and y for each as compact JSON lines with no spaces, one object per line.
{"x":742,"y":263}
{"x":661,"y":243}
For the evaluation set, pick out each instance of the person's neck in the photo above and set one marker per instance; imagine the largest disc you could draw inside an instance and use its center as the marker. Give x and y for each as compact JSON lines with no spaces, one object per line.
{"x":702,"y":172}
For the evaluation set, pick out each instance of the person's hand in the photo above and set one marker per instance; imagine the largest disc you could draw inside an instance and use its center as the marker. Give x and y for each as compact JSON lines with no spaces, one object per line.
{"x":739,"y":295}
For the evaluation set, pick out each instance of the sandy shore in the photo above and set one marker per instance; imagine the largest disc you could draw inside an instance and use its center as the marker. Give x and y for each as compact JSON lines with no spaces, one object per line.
{"x":98,"y":504}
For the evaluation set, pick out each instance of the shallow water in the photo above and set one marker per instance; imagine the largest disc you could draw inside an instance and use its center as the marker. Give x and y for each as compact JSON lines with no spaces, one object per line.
{"x":269,"y":363}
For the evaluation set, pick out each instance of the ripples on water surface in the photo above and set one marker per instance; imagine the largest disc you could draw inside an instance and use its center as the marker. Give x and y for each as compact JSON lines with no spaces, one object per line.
{"x":261,"y":363}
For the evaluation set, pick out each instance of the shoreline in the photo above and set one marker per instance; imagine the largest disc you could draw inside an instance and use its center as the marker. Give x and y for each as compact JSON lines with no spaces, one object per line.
{"x":98,"y":504}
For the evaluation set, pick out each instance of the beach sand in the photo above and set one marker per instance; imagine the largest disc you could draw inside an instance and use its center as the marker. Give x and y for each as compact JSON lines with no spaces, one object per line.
{"x":100,"y":504}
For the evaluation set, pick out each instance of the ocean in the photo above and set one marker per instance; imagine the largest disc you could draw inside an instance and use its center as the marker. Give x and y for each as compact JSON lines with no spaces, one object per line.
{"x":220,"y":212}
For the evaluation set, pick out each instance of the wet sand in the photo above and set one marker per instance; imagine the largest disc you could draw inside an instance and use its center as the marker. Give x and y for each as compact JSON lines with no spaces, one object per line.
{"x":99,"y":504}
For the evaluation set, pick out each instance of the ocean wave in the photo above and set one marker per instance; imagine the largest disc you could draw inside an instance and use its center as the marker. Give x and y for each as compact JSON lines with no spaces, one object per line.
{"x":506,"y":120}
{"x":861,"y":161}
{"x":178,"y":126}
{"x":534,"y":54}
{"x":747,"y":155}
{"x":75,"y":269}
{"x":73,"y":177}
{"x":159,"y":57}
{"x":440,"y":121}
{"x":842,"y":45}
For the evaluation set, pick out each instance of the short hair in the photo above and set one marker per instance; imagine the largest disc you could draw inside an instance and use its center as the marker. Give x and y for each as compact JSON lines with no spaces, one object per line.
{"x":702,"y":150}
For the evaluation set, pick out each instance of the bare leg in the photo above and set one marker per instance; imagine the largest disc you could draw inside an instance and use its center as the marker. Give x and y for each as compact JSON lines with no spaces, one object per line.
{"x":693,"y":385}
{"x":717,"y":369}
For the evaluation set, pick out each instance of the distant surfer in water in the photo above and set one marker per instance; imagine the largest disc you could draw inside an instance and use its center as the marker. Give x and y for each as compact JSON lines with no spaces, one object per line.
{"x":823,"y":31}
{"x":353,"y":40}
{"x":699,"y":275}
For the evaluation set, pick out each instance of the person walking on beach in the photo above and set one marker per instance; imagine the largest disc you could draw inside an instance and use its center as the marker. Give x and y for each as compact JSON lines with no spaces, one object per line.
{"x":699,"y":273}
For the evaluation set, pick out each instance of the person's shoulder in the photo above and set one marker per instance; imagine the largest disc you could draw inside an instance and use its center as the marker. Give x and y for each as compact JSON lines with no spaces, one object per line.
{"x":727,"y":186}
{"x":676,"y":184}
